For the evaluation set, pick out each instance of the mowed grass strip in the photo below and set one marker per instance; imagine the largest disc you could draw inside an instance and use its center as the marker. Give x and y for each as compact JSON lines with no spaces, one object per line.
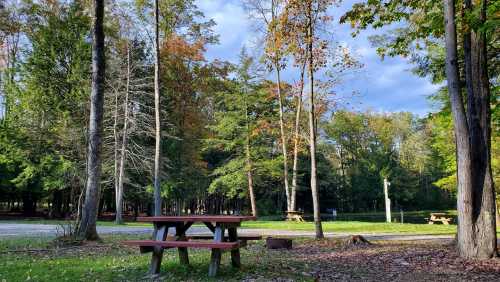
{"x":356,"y":227}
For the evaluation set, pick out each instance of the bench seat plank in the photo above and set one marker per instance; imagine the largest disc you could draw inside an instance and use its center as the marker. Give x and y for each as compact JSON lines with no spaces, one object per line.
{"x":209,"y":237}
{"x":183,"y":244}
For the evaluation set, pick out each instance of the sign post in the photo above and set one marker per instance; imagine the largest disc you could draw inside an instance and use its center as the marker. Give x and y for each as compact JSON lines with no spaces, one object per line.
{"x":387,"y":200}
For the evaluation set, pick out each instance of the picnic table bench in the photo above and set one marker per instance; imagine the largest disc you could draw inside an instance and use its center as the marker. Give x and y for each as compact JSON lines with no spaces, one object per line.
{"x":220,"y":242}
{"x":439,"y":217}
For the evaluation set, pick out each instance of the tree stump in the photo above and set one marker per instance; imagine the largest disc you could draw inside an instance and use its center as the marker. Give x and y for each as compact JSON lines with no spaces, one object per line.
{"x":278,"y":243}
{"x":356,"y":240}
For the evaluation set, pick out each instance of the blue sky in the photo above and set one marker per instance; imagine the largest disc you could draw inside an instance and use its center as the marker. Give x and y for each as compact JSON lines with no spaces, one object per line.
{"x":383,"y":85}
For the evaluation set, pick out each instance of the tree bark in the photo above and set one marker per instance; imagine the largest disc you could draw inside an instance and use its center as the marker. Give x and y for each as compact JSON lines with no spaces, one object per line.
{"x":276,"y":61}
{"x":312,"y":128}
{"x":249,"y":164}
{"x":87,"y":225}
{"x":476,"y":237}
{"x":123,"y":156}
{"x":118,"y":217}
{"x":484,"y":190}
{"x":293,"y":204}
{"x":157,"y":183}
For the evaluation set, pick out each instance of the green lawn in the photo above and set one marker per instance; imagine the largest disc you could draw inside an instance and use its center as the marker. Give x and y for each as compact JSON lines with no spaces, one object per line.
{"x":29,"y":259}
{"x":356,"y":227}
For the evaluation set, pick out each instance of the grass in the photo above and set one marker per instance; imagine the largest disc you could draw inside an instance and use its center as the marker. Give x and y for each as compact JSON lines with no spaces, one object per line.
{"x":355,"y":227}
{"x":38,"y":259}
{"x":32,"y":259}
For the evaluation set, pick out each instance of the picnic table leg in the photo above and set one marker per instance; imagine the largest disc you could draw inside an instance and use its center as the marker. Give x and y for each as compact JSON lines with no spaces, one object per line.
{"x":160,"y":234}
{"x":216,"y":253}
{"x":235,"y":254}
{"x":183,"y":251}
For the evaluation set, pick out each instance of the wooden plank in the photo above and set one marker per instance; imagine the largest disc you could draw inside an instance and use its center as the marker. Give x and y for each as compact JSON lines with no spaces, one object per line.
{"x":160,"y":235}
{"x":235,"y":253}
{"x":216,"y":253}
{"x":209,"y":237}
{"x":197,"y":218}
{"x":187,"y":244}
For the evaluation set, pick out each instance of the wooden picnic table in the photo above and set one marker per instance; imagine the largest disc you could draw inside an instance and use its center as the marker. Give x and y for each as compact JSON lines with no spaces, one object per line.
{"x":217,"y":224}
{"x":295,"y":216}
{"x":439,"y":217}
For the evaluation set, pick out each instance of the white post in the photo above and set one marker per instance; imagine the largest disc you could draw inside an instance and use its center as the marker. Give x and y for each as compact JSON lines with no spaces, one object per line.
{"x":387,"y":200}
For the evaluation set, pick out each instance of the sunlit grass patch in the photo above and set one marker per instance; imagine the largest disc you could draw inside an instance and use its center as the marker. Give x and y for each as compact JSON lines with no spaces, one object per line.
{"x":37,"y":260}
{"x":355,"y":227}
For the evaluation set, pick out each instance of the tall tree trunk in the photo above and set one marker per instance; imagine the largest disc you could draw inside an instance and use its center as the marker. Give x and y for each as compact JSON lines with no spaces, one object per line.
{"x":249,"y":166}
{"x":87,"y":224}
{"x":312,"y":129}
{"x":123,"y":156}
{"x":484,"y":190}
{"x":476,"y":235}
{"x":157,"y":184}
{"x":118,"y":217}
{"x":276,"y":62}
{"x":283,"y":139}
{"x":296,"y":141}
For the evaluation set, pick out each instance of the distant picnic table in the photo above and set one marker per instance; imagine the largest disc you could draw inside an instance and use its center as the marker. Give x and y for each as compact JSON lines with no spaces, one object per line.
{"x":295,"y":216}
{"x":220,"y":242}
{"x":439,"y":217}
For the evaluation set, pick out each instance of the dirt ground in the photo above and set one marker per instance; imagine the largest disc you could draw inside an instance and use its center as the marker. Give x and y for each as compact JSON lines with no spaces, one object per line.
{"x":332,"y":260}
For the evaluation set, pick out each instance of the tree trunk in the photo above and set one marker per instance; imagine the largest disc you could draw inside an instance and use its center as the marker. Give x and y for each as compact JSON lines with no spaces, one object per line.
{"x":293,"y":204}
{"x":276,"y":62}
{"x":249,"y":163}
{"x":312,"y":130}
{"x":157,"y":184}
{"x":484,"y":190}
{"x":123,"y":156}
{"x":87,"y":225}
{"x":283,"y":139}
{"x":118,"y":216}
{"x":476,"y":235}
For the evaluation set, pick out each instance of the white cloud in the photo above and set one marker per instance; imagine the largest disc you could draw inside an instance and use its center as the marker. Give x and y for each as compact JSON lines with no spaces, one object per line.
{"x":233,"y":27}
{"x":387,"y":84}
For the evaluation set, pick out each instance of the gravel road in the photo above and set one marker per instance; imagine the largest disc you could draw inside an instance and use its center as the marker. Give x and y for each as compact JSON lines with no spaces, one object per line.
{"x":28,"y":229}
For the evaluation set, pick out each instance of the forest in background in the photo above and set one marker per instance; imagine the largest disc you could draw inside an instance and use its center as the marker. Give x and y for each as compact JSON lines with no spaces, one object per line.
{"x":220,"y":121}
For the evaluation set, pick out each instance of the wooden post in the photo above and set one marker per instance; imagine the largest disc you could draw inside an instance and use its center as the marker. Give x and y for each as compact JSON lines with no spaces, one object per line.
{"x":183,"y":252}
{"x":216,"y":253}
{"x":387,"y":200}
{"x":235,"y":254}
{"x":160,"y":234}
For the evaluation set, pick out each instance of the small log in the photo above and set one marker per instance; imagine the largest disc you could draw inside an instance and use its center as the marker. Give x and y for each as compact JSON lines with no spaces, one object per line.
{"x":278,"y":243}
{"x":357,"y":240}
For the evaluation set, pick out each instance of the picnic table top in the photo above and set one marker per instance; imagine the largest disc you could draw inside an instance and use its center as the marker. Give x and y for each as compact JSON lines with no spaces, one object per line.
{"x":198,"y":218}
{"x":294,"y":212}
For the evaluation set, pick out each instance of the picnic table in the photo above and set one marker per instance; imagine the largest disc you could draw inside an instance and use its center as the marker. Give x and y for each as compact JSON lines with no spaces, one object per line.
{"x":220,"y":242}
{"x":295,"y":216}
{"x":439,"y":217}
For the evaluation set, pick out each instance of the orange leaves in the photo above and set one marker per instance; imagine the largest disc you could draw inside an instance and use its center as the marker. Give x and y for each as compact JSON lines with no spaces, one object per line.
{"x":178,"y":47}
